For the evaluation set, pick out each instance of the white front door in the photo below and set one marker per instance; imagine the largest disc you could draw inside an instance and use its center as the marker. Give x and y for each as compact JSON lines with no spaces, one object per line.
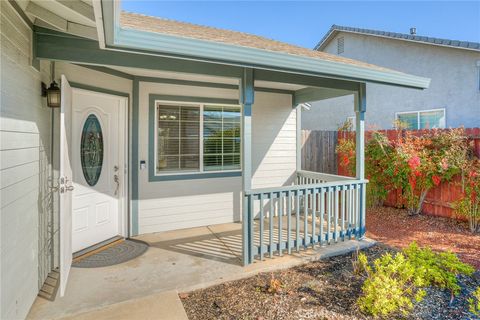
{"x":98,"y":165}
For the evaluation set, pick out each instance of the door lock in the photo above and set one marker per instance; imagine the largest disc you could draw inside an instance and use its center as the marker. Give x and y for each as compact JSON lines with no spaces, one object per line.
{"x":116,"y":179}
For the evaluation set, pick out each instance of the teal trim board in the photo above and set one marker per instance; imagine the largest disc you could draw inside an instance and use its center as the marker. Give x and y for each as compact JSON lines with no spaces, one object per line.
{"x":135,"y":163}
{"x":54,"y":45}
{"x":152,"y":177}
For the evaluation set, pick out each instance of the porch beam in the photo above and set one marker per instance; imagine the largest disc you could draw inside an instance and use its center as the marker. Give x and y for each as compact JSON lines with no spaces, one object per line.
{"x":247,"y":97}
{"x":306,"y":80}
{"x":59,"y":46}
{"x":315,"y":94}
{"x":360,"y":109}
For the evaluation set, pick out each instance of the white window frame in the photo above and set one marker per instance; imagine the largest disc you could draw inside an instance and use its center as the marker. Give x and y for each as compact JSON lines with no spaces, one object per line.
{"x":422,"y":111}
{"x":201,"y":106}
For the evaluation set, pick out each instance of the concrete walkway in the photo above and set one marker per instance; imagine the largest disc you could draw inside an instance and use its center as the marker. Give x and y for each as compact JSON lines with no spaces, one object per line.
{"x":164,"y":305}
{"x":177,"y":261}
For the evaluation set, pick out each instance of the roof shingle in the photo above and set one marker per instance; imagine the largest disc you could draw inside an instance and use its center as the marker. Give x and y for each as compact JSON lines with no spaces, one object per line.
{"x":188,"y":30}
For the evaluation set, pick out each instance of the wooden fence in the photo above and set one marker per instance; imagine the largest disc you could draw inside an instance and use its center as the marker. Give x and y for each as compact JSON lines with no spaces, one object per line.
{"x":438,"y":201}
{"x":318,"y":151}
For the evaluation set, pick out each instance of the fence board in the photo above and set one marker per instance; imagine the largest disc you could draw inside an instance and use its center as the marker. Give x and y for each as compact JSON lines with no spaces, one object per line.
{"x":318,"y":151}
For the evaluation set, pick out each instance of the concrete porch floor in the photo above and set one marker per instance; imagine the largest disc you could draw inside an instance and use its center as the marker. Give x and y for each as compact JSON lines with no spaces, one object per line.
{"x":181,"y":260}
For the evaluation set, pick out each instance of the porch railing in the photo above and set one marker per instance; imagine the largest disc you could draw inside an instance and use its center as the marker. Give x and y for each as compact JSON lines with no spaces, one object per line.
{"x":319,"y":209}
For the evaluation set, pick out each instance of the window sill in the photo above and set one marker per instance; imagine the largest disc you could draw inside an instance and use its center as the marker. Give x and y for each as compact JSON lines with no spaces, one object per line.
{"x":194,"y":176}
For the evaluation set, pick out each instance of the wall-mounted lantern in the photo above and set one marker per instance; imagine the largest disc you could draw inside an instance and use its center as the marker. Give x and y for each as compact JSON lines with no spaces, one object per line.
{"x":53,"y":95}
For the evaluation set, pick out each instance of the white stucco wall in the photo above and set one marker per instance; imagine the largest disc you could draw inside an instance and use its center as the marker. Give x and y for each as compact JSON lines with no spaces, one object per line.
{"x":454,"y":83}
{"x":168,"y":205}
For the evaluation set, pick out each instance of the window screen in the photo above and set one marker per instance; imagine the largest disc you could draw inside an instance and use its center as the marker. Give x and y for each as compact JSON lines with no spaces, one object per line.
{"x":221,"y":134}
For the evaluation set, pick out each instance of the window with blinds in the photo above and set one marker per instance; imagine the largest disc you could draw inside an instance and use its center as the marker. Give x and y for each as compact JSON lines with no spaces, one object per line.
{"x":178,"y":141}
{"x":221,"y":138}
{"x":197,"y":138}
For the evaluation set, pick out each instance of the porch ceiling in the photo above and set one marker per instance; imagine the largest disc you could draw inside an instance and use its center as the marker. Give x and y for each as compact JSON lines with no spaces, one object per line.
{"x":75,"y":17}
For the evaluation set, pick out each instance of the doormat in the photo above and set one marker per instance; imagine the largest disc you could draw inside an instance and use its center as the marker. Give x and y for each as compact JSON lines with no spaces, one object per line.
{"x":50,"y":286}
{"x":112,"y":255}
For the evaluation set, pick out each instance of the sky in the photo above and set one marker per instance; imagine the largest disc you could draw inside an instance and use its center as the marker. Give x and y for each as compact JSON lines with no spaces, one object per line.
{"x":304,"y":23}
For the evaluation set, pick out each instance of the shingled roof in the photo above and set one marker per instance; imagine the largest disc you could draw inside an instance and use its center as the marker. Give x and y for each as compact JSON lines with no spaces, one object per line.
{"x":398,"y":36}
{"x":188,"y":30}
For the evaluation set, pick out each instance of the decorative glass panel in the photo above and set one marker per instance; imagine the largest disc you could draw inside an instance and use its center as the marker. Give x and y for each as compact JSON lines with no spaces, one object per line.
{"x":91,"y":150}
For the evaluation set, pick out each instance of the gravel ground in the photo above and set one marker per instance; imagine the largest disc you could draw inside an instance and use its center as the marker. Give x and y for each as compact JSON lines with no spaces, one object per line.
{"x":325,"y":289}
{"x":396,"y":228}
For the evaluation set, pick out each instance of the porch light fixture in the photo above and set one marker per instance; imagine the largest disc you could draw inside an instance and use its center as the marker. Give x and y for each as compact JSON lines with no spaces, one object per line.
{"x":53,"y":95}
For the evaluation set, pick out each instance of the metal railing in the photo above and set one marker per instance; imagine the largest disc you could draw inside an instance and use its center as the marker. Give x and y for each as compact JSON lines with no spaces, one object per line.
{"x":319,"y":209}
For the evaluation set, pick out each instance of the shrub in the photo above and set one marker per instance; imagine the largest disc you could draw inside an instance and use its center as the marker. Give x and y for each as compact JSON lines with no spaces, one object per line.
{"x":395,"y":283}
{"x":474,"y":302}
{"x":392,"y":286}
{"x":438,"y":269}
{"x":469,"y":205}
{"x":410,"y":162}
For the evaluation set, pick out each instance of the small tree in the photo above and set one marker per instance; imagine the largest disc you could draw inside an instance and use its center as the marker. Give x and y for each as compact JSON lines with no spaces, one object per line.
{"x":469,"y":205}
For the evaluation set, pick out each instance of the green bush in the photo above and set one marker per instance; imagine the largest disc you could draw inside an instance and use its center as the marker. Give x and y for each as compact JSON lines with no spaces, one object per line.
{"x":391,"y":286}
{"x":438,"y":269}
{"x":395,"y":283}
{"x":474,"y":302}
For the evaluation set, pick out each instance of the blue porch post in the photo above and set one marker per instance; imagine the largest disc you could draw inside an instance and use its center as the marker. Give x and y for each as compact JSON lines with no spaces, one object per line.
{"x":246,"y":99}
{"x":360,"y":108}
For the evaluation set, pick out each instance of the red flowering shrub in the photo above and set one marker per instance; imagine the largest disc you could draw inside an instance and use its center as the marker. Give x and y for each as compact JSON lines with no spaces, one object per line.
{"x":414,"y":164}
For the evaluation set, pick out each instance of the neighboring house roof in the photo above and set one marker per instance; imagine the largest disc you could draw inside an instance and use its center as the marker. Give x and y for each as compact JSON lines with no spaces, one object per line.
{"x":193,"y":31}
{"x":397,"y":36}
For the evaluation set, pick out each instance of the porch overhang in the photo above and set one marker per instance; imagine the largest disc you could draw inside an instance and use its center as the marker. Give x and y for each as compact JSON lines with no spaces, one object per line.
{"x":118,"y":38}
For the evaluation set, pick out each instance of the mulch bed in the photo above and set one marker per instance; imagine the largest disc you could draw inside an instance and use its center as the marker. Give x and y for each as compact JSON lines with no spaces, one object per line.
{"x":325,"y":289}
{"x":396,"y":228}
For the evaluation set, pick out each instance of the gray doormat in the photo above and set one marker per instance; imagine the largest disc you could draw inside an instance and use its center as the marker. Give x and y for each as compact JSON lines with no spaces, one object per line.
{"x":116,"y":254}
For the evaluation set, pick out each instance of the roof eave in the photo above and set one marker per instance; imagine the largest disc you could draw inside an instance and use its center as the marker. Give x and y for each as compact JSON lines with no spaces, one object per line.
{"x":118,"y":38}
{"x":334,"y":30}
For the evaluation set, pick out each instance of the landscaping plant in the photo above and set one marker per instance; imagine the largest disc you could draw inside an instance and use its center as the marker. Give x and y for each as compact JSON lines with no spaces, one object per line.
{"x":474,"y":302}
{"x":469,"y":205}
{"x":395,"y":283}
{"x":412,"y":162}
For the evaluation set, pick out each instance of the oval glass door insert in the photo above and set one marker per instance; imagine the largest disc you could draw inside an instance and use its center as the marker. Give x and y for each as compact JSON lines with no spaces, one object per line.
{"x":91,"y":150}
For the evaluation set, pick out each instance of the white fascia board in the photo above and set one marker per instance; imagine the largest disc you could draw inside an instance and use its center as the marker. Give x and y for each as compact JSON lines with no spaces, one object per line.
{"x":97,"y":10}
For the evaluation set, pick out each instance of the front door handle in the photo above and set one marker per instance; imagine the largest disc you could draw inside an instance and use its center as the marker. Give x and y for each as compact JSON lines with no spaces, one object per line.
{"x":116,"y":179}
